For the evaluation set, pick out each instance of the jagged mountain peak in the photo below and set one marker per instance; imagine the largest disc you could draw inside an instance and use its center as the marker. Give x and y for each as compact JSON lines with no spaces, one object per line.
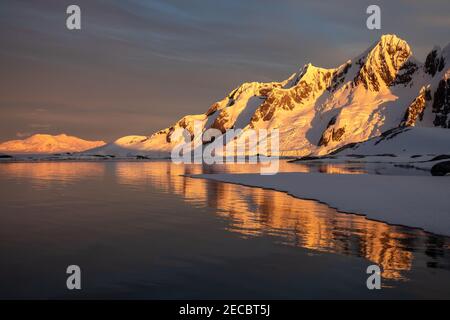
{"x":390,"y":44}
{"x":387,"y":44}
{"x":435,"y":60}
{"x":393,"y":41}
{"x":307,"y":73}
{"x":382,"y":63}
{"x":446,"y":49}
{"x":311,"y":71}
{"x":437,"y":48}
{"x":318,"y":110}
{"x":441,"y":51}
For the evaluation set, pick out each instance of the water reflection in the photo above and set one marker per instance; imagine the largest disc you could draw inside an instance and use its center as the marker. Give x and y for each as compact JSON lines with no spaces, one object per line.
{"x":303,"y":223}
{"x":44,"y":175}
{"x":254,"y":212}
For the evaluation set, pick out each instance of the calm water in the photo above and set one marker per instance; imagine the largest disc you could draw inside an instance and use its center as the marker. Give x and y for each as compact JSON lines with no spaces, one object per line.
{"x":140,"y":230}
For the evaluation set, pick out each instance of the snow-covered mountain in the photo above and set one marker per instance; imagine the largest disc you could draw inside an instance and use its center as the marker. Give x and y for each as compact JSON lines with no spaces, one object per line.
{"x":318,"y":110}
{"x":45,"y":143}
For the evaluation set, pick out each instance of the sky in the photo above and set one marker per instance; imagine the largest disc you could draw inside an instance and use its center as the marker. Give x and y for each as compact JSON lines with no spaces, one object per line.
{"x":137,"y":66}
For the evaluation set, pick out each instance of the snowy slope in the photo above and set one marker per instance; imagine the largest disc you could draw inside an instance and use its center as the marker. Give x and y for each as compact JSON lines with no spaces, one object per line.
{"x":45,"y":143}
{"x":318,"y":110}
{"x":405,"y":142}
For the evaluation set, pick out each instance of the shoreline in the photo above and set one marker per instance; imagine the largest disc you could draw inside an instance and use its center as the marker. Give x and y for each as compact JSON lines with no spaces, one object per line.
{"x":369,"y":213}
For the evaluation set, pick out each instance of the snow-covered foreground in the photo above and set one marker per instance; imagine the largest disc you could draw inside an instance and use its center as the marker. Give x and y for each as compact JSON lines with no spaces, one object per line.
{"x":414,"y":201}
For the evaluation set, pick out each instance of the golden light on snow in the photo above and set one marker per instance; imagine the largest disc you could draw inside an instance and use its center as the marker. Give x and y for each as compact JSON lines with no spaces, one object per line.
{"x":45,"y":143}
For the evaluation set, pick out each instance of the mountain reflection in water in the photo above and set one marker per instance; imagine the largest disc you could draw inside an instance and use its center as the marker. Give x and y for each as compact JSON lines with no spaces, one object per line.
{"x":255,"y":212}
{"x":292,"y":221}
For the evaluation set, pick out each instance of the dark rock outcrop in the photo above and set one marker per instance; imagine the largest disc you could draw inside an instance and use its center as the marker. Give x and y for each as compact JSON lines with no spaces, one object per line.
{"x":331,"y":134}
{"x":405,"y":74}
{"x":416,"y":108}
{"x":441,"y":157}
{"x":434,"y":62}
{"x":339,"y":77}
{"x":441,"y":169}
{"x":441,"y":104}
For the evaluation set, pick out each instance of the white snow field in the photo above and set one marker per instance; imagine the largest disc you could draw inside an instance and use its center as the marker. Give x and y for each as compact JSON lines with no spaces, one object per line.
{"x":418,"y":146}
{"x":405,"y":142}
{"x":414,"y":201}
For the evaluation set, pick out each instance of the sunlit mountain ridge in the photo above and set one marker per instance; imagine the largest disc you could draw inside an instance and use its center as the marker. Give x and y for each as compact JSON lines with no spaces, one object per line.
{"x":319,"y":110}
{"x":45,"y":143}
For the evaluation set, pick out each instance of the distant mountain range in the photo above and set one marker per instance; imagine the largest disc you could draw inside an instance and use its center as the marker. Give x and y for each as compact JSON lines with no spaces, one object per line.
{"x":319,"y":110}
{"x":316,"y":110}
{"x":45,"y":143}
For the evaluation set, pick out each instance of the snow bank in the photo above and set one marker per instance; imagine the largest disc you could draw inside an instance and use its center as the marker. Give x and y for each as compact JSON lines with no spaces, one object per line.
{"x":414,"y":201}
{"x":412,"y":141}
